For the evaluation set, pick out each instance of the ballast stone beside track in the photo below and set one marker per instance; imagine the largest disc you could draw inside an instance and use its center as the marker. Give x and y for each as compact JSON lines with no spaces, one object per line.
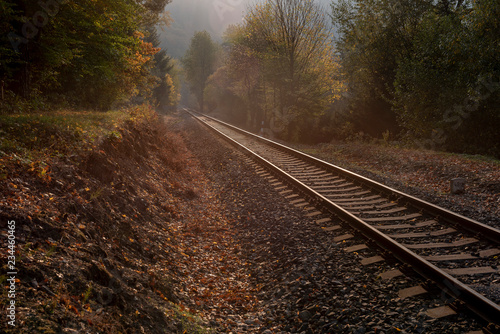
{"x":307,"y":283}
{"x":311,"y":174}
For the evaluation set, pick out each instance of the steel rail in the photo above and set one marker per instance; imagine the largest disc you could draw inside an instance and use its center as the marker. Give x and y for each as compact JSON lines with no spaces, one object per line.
{"x":485,"y":308}
{"x":486,"y":232}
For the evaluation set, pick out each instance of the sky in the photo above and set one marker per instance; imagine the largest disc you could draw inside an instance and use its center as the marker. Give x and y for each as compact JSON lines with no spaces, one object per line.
{"x":190,"y":16}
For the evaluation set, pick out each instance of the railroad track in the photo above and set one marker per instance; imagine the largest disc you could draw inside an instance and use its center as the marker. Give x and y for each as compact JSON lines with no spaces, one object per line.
{"x":450,"y":251}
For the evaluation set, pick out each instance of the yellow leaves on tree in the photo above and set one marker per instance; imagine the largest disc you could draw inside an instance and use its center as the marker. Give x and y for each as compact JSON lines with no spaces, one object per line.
{"x":140,"y":63}
{"x":281,"y":64}
{"x":172,"y":90}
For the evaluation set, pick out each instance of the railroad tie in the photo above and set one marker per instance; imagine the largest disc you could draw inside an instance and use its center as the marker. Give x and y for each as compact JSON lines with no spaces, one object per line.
{"x":440,"y":312}
{"x":412,"y":291}
{"x":355,"y":248}
{"x":370,"y":260}
{"x":387,"y":275}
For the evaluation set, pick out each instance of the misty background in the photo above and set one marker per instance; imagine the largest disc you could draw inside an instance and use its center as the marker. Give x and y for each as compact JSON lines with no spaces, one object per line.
{"x":213,"y":16}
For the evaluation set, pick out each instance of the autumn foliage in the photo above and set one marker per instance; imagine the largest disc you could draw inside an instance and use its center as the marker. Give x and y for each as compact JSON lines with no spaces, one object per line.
{"x":91,"y":54}
{"x":280,"y":66}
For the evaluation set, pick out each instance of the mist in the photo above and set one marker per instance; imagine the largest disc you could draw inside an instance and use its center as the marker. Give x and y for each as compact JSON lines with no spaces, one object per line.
{"x":213,"y":16}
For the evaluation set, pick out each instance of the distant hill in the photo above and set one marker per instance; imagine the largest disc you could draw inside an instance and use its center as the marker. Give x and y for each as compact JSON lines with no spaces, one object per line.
{"x":195,"y":15}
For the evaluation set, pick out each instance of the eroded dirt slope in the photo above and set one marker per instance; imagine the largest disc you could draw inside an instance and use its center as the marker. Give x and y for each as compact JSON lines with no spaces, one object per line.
{"x":97,"y":236}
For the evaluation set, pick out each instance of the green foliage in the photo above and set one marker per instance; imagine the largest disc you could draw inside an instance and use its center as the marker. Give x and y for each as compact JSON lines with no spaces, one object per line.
{"x":373,"y":36}
{"x":165,"y":95}
{"x":427,"y":68}
{"x":189,"y":323}
{"x":87,"y":293}
{"x":90,"y":53}
{"x":199,"y":64}
{"x":51,"y":250}
{"x":7,"y":53}
{"x":447,"y":90}
{"x":428,"y":81}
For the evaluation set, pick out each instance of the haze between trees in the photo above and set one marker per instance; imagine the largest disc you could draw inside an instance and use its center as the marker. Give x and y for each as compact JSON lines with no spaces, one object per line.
{"x":423,"y":73}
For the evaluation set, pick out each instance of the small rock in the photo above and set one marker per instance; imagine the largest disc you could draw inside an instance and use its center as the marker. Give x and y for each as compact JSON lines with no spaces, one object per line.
{"x":360,"y":330}
{"x":305,"y":315}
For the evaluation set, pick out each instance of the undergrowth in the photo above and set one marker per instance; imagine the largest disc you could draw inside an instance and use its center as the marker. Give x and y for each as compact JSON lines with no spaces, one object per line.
{"x":33,"y":139}
{"x":58,"y":131}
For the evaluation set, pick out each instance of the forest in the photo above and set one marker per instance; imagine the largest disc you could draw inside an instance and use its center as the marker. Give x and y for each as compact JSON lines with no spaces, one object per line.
{"x":420,"y":73}
{"x":423,"y":74}
{"x":83,"y":55}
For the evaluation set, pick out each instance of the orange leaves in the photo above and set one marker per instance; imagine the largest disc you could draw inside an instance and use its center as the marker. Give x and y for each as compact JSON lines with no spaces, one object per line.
{"x":143,"y":52}
{"x":72,"y":308}
{"x":216,"y":279}
{"x":159,"y":293}
{"x":68,"y":302}
{"x":148,"y":49}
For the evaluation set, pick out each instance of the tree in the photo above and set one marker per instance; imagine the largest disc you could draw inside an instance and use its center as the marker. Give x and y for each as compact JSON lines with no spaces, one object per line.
{"x":91,"y":53}
{"x":447,"y":90}
{"x":7,"y":53}
{"x":199,"y":64}
{"x":282,"y":65}
{"x":165,"y":91}
{"x":298,"y":46}
{"x":373,"y":36}
{"x":431,"y":66}
{"x":244,"y":75}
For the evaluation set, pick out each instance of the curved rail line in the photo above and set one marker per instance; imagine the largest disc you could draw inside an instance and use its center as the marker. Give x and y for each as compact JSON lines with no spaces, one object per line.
{"x":375,"y":210}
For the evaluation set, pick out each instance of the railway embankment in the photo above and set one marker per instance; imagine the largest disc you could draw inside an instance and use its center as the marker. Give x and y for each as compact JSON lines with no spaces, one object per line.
{"x":159,"y":227}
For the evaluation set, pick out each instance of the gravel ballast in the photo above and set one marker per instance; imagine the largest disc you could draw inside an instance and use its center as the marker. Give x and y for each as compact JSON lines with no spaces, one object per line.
{"x":423,"y":174}
{"x":303,"y":280}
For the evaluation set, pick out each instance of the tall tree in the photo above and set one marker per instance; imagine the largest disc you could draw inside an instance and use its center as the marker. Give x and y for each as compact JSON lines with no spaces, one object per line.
{"x":244,"y":72}
{"x":292,"y":41}
{"x":447,"y":90}
{"x":165,"y":77}
{"x":199,"y":64}
{"x":7,"y":53}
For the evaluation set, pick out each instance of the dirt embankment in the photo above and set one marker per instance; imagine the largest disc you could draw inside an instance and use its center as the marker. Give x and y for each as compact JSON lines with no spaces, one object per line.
{"x":96,"y":236}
